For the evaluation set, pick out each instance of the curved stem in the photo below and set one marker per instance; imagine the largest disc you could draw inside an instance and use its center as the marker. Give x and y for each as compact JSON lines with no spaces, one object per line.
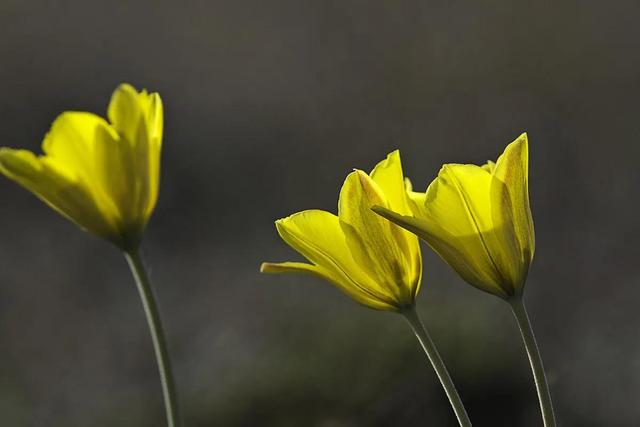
{"x":438,"y":365}
{"x":542,"y":387}
{"x":157,"y":335}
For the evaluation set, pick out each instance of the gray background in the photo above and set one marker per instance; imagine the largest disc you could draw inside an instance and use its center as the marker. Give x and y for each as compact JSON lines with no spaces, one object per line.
{"x":268,"y":107}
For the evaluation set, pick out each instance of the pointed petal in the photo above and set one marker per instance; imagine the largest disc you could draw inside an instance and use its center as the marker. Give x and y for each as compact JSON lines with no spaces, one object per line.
{"x":155,"y":119}
{"x":391,"y":254}
{"x":389,"y":177}
{"x":131,"y":113}
{"x":288,"y":267}
{"x":150,"y":159}
{"x":71,"y":141}
{"x":300,"y":267}
{"x":464,"y":192}
{"x":512,"y":169}
{"x":116,"y":169}
{"x":138,"y":117}
{"x":317,"y":236}
{"x":51,"y":181}
{"x":126,"y":112}
{"x":73,"y":144}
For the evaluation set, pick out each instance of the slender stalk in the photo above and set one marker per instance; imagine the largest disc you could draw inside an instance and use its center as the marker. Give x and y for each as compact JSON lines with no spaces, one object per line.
{"x":157,"y":335}
{"x":542,"y":387}
{"x":438,"y":365}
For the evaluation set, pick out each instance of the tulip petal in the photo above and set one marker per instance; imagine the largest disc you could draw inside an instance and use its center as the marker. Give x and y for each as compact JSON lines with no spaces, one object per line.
{"x":315,"y":270}
{"x":512,"y":169}
{"x":464,"y":192}
{"x":317,"y":236}
{"x":391,"y":254}
{"x":155,"y":119}
{"x":389,"y":177}
{"x":126,"y":113}
{"x":71,"y":142}
{"x":138,"y":117}
{"x":120,"y":177}
{"x":58,"y":186}
{"x":155,"y":124}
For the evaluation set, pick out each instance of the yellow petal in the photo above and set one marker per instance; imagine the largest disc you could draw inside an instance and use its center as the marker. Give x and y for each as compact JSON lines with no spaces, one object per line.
{"x":136,"y":114}
{"x":314,"y":270}
{"x":317,"y":236}
{"x":58,"y":186}
{"x":120,"y":177}
{"x":71,"y":141}
{"x":512,"y":169}
{"x":138,"y":117}
{"x":71,"y":144}
{"x":155,"y":124}
{"x":389,"y":177}
{"x":155,"y":119}
{"x":126,"y":113}
{"x":390,"y":254}
{"x":461,"y":192}
{"x":460,"y":203}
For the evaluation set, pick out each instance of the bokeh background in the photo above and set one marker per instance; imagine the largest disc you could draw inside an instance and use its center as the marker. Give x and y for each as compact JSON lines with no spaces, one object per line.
{"x":268,"y":106}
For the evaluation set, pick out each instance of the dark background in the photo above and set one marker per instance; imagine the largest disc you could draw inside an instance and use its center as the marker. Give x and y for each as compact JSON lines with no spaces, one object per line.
{"x":268,"y":106}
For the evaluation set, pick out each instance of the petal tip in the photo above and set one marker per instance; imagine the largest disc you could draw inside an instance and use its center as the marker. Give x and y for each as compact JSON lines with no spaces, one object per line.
{"x":126,"y":87}
{"x":522,"y":139}
{"x":280,"y":223}
{"x":265,"y":267}
{"x":395,"y":154}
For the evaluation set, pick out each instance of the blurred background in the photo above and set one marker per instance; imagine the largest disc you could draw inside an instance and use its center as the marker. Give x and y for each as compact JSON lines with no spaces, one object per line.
{"x":268,"y":106}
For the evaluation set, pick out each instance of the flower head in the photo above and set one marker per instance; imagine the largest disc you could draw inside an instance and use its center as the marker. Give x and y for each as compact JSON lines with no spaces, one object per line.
{"x":477,"y":218}
{"x":102,"y":175}
{"x":372,"y":260}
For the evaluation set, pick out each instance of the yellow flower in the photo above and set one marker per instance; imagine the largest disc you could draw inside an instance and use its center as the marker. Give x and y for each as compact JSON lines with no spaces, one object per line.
{"x":372,"y":260}
{"x":101,"y":175}
{"x":477,"y":218}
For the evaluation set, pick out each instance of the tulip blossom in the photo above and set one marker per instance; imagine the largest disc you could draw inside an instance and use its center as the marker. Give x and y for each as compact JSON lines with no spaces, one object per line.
{"x":477,"y":218}
{"x":372,"y":260}
{"x":102,"y":175}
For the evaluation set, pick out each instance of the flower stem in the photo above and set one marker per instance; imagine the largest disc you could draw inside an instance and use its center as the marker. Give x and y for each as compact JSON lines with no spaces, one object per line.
{"x":157,"y":335}
{"x":542,"y":387}
{"x":438,"y":365}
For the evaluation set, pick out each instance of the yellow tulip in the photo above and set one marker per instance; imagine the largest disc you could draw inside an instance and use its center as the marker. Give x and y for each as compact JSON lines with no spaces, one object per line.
{"x":102,"y":175}
{"x":372,"y":260}
{"x":477,"y":218}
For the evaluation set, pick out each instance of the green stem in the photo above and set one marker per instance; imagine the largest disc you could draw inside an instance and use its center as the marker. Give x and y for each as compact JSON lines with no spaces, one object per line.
{"x":157,"y":335}
{"x":542,"y":387}
{"x":438,"y":365}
